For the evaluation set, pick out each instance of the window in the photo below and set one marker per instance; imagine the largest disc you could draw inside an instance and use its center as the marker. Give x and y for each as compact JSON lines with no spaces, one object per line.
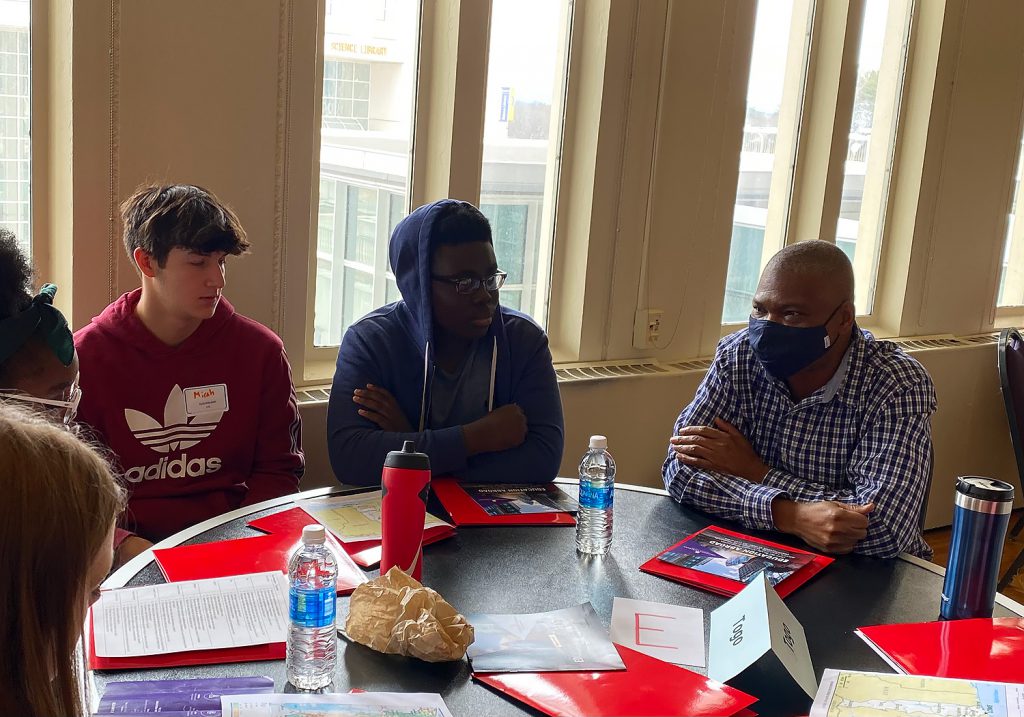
{"x":522,"y":136}
{"x":880,"y":67}
{"x":1011,"y":278}
{"x":353,"y":276}
{"x":787,"y":155}
{"x":346,"y":95}
{"x":370,"y":53}
{"x":15,"y":106}
{"x":776,"y":80}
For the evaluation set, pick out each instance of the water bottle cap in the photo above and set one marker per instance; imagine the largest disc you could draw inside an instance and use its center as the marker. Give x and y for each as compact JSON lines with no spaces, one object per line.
{"x":407,"y":458}
{"x":599,"y":442}
{"x":314,"y":535}
{"x":985,"y":488}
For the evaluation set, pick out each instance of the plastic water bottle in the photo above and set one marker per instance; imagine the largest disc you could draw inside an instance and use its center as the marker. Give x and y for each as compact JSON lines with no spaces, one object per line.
{"x":312,"y":599}
{"x":597,"y":492}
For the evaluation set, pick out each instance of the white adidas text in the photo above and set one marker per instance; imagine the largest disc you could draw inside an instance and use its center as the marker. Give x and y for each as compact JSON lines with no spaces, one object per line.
{"x":178,"y":468}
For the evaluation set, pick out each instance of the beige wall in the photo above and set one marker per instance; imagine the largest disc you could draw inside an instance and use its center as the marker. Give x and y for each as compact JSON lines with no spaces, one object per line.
{"x":224,"y":94}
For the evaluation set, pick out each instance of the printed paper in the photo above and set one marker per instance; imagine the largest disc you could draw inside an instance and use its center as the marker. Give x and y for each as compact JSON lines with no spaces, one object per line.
{"x":848,"y":694}
{"x":195,"y":615}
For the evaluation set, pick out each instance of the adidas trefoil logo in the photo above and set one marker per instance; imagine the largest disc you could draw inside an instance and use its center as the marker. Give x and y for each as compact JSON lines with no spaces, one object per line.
{"x":176,"y":432}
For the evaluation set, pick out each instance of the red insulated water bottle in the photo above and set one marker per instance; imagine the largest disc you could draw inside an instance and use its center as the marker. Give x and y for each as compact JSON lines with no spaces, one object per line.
{"x":404,"y":487}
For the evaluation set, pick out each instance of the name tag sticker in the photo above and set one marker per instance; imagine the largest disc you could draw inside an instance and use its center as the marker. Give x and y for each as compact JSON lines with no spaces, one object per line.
{"x":206,"y":399}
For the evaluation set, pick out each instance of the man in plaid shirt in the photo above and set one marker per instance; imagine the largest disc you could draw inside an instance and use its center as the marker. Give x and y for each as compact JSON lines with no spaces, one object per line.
{"x":806,"y":424}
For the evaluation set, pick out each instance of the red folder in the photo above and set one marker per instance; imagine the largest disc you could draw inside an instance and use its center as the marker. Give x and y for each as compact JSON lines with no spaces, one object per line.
{"x":258,"y":554}
{"x":466,"y":511}
{"x":647,"y":686}
{"x":726,"y":586}
{"x":363,"y":552}
{"x":989,"y":649}
{"x":249,"y":653}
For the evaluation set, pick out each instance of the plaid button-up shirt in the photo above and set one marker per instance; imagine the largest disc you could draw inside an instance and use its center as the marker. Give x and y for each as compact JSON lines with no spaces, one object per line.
{"x":864,"y":437}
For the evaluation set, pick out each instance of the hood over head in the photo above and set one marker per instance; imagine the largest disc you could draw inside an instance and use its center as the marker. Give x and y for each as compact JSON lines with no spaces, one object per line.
{"x":410,"y":252}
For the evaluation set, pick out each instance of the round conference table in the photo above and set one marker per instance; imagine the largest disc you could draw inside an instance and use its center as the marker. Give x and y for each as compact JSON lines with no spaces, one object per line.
{"x":535,"y":569}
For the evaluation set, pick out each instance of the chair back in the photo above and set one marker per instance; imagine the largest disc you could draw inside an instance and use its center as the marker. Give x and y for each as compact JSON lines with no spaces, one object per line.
{"x":1011,"y":382}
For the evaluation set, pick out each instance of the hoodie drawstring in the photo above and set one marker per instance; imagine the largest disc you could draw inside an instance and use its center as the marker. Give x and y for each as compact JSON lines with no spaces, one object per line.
{"x":426,"y":372}
{"x":494,"y":366}
{"x":423,"y":396}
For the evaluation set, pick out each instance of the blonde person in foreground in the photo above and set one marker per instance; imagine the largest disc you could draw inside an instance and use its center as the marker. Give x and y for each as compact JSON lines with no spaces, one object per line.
{"x":56,"y":546}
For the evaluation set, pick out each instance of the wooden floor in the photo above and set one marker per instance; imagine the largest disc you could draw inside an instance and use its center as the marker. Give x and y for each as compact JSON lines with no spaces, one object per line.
{"x":939,"y":540}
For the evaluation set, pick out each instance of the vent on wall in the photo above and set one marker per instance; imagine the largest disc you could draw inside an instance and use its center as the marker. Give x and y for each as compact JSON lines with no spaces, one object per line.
{"x":600,"y":371}
{"x":313,"y":394}
{"x":694,"y":365}
{"x":944,"y":342}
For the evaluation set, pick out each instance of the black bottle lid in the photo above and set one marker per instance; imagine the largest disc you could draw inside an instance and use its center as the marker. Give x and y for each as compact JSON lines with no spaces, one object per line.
{"x":408,"y":459}
{"x":985,"y":488}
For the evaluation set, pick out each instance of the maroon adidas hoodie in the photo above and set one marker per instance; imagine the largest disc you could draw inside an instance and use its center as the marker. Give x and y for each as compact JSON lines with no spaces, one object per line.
{"x":197,"y":429}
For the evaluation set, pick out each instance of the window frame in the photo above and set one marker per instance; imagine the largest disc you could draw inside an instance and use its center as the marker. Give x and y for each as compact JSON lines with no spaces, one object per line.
{"x":812,"y":207}
{"x":1013,"y":314}
{"x":450,"y":88}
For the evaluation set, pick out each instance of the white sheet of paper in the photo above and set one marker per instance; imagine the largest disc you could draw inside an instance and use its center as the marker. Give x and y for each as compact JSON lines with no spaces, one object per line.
{"x":362,"y":704}
{"x":193,"y":615}
{"x":667,"y":632}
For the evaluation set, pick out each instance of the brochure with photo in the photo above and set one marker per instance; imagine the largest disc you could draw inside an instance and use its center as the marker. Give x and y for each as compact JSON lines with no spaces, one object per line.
{"x":724,"y":562}
{"x":570,"y":639}
{"x":736,"y":558}
{"x":511,"y":499}
{"x":504,"y":504}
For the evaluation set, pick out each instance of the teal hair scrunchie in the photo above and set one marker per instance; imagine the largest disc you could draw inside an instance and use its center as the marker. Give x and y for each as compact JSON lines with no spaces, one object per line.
{"x":42,"y":318}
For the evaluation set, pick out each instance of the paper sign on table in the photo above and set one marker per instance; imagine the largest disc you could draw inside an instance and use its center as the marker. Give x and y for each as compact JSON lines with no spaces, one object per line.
{"x":758,"y":646}
{"x":195,"y":615}
{"x":667,"y":632}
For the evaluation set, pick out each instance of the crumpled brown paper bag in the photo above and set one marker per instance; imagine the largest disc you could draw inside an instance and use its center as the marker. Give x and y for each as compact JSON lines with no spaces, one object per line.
{"x":396,"y":614}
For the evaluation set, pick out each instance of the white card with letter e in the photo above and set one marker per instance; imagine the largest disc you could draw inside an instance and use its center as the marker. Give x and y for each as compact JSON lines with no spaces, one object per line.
{"x":667,"y":632}
{"x":757,"y":644}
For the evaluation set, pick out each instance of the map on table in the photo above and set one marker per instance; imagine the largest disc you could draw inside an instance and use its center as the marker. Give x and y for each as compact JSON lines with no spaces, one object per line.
{"x":867,"y":694}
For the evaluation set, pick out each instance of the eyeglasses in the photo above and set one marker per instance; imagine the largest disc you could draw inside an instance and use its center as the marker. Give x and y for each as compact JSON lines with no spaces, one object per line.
{"x":66,"y":408}
{"x":469,"y":284}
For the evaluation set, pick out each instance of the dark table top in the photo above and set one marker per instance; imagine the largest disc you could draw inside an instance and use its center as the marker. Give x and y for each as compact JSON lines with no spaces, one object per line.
{"x":535,"y":569}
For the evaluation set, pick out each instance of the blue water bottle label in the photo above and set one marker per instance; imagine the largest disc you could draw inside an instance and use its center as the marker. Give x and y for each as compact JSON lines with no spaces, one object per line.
{"x":592,"y":496}
{"x":312,"y":608}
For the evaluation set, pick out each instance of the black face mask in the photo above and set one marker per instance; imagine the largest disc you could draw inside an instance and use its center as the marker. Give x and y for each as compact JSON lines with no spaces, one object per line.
{"x":786,"y":350}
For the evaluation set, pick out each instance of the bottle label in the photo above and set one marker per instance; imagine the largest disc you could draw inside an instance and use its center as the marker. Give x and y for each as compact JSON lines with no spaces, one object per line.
{"x":312,"y":608}
{"x":592,"y":496}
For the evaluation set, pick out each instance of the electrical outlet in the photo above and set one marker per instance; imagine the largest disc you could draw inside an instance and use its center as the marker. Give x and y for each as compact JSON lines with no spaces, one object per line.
{"x":646,"y":327}
{"x":653,"y":325}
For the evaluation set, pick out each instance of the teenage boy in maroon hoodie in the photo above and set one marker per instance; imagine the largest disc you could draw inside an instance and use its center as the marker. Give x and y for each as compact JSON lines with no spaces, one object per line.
{"x":195,"y":401}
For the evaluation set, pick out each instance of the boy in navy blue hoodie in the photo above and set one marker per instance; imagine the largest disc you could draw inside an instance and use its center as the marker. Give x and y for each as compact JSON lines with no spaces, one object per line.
{"x":469,"y":381}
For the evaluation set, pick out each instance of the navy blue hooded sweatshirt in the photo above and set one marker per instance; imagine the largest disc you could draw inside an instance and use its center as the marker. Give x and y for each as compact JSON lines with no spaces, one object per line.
{"x":392,"y":347}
